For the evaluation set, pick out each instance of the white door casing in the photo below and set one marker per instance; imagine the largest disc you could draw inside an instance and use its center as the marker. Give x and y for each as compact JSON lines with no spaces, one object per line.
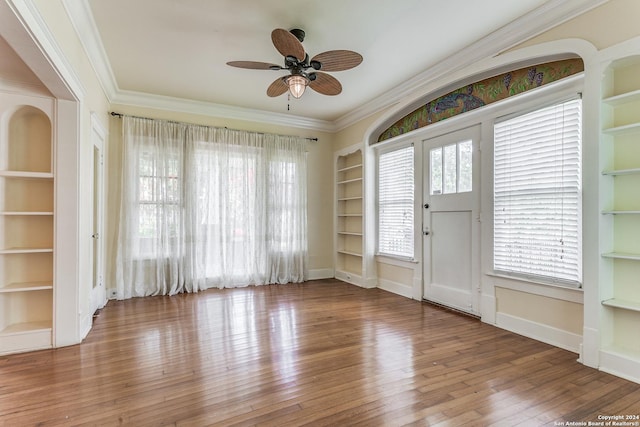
{"x":97,"y":293}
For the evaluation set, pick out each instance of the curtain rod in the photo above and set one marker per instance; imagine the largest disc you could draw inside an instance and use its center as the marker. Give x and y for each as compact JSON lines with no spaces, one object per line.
{"x":120,"y":115}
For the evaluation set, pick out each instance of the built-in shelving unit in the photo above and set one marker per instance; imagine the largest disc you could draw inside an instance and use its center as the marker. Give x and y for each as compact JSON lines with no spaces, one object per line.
{"x":620,"y":219}
{"x":349,"y":216}
{"x":26,"y":223}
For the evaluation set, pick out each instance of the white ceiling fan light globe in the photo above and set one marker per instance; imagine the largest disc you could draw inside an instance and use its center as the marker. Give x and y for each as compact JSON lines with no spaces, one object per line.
{"x":297,"y":85}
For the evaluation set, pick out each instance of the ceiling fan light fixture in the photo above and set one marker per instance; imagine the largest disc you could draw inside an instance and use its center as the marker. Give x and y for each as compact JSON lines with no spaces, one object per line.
{"x":297,"y":85}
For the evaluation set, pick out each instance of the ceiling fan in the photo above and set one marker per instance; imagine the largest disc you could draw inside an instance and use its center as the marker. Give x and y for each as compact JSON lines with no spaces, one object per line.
{"x":303,"y":71}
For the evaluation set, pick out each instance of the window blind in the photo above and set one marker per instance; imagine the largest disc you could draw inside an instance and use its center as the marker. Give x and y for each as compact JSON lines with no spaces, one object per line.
{"x":537,"y":194}
{"x":395,"y":202}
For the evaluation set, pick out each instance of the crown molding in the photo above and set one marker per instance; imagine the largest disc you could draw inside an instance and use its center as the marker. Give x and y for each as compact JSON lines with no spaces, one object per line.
{"x":167,"y":103}
{"x":81,"y":18}
{"x":545,"y":17}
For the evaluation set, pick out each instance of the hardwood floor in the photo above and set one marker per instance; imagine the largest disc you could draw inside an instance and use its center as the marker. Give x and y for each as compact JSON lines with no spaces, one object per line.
{"x":321,"y":353}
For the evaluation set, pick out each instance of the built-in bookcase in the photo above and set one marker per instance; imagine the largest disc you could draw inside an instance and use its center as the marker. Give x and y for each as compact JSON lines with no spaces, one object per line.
{"x":26,"y":223}
{"x":620,"y":202}
{"x":349,"y":216}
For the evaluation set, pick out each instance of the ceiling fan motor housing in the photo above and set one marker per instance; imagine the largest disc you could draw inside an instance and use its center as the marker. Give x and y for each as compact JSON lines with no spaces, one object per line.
{"x":298,"y":33}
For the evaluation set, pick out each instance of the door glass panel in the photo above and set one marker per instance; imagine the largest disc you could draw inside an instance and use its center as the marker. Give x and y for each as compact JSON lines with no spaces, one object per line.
{"x":436,"y":170}
{"x":465,"y":161}
{"x":450,"y":169}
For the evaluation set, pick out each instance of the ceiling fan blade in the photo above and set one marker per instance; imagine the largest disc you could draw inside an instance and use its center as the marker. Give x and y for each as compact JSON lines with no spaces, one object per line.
{"x":277,"y":88}
{"x":326,"y":84}
{"x":338,"y":60}
{"x":253,"y":65}
{"x":287,"y":44}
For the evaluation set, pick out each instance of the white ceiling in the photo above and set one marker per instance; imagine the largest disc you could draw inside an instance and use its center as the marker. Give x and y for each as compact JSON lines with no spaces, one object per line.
{"x":179,"y":48}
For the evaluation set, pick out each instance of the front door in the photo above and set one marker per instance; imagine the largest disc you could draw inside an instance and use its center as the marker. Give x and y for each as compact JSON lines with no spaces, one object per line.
{"x":451,"y":230}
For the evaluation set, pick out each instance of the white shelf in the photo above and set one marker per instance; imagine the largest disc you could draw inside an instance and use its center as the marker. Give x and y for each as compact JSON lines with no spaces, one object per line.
{"x":26,"y":287}
{"x":623,"y":304}
{"x":28,"y":192}
{"x":348,"y":168}
{"x":617,"y":321}
{"x":349,"y":253}
{"x":622,"y":255}
{"x":26,"y":213}
{"x":21,"y":328}
{"x":622,"y":212}
{"x":621,"y":130}
{"x":622,"y":172}
{"x":350,"y":180}
{"x":623,"y":98}
{"x":25,"y":250}
{"x":348,"y":235}
{"x":26,"y":174}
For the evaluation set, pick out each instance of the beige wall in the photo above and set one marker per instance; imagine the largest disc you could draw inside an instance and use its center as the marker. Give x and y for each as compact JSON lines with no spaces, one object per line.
{"x":395,"y":273}
{"x":564,"y":315}
{"x":603,"y":26}
{"x":355,"y":133}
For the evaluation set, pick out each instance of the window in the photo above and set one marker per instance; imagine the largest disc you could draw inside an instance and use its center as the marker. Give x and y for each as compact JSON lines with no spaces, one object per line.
{"x":537,"y":194}
{"x":395,"y":202}
{"x":209,"y":207}
{"x":451,"y":168}
{"x":158,"y":193}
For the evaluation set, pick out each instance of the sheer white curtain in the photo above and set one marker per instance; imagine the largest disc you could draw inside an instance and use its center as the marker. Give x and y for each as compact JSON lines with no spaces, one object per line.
{"x":209,"y":207}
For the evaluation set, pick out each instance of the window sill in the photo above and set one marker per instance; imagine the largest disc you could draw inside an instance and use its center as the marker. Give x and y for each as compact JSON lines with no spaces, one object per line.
{"x":534,"y":287}
{"x":395,"y":260}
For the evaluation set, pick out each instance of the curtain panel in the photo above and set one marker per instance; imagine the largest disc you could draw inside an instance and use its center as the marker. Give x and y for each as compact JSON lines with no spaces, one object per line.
{"x":207,"y":207}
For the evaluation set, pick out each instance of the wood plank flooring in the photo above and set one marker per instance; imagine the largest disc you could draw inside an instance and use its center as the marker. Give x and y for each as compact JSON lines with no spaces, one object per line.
{"x":322,"y":353}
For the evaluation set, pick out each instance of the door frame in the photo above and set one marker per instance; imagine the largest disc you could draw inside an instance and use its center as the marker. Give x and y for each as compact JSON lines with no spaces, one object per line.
{"x":97,"y":294}
{"x":473,"y":132}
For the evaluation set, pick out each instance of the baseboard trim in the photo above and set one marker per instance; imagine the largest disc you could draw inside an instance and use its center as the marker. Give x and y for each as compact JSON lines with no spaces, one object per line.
{"x":349,"y":278}
{"x":86,"y":325}
{"x":540,"y":332}
{"x":488,"y":308}
{"x":396,"y":288}
{"x":321,"y":273}
{"x":617,"y":363}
